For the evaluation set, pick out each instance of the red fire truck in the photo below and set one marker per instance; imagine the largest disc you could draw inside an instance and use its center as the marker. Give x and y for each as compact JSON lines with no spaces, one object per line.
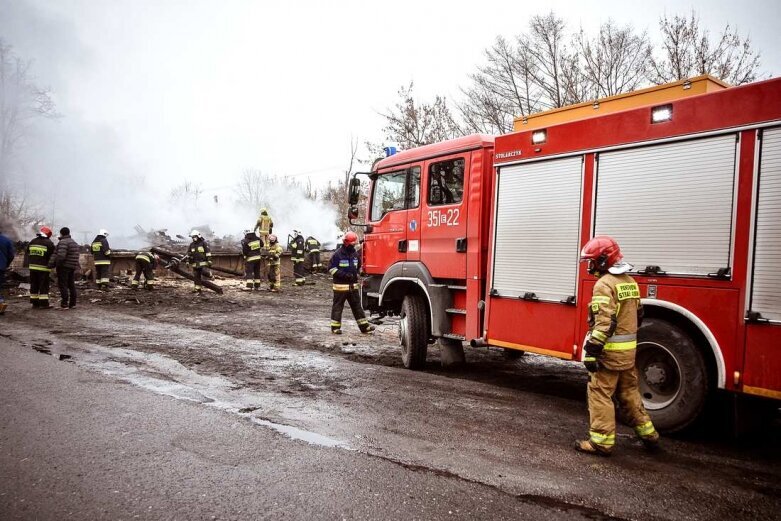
{"x":477,"y":239}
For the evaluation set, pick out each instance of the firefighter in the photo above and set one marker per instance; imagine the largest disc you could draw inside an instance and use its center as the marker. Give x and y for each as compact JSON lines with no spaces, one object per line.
{"x":264,"y":226}
{"x":345,"y":267}
{"x":102,"y":254}
{"x":39,"y":260}
{"x":313,"y":250}
{"x":199,"y":258}
{"x":273,"y":261}
{"x":251,"y":249}
{"x":297,"y":246}
{"x":146,"y":262}
{"x":614,"y":315}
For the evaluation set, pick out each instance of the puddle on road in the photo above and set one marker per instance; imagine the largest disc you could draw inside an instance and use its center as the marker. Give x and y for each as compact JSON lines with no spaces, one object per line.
{"x":299,"y":434}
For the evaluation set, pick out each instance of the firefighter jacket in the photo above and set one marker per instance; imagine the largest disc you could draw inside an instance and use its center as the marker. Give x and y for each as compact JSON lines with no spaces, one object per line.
{"x":264,"y":224}
{"x":147,"y":257}
{"x":274,"y":254}
{"x":312,"y":245}
{"x":198,"y":254}
{"x":101,"y":251}
{"x":67,"y":253}
{"x":297,"y":247}
{"x":250,"y":247}
{"x":345,"y":265}
{"x":39,"y":254}
{"x":614,"y":314}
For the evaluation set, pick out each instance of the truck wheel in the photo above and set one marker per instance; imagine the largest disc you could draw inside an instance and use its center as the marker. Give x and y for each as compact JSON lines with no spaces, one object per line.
{"x":673,"y":378}
{"x":413,"y":331}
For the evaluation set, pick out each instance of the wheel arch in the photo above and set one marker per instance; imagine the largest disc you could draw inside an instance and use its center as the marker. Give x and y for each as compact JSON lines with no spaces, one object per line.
{"x":692,"y":324}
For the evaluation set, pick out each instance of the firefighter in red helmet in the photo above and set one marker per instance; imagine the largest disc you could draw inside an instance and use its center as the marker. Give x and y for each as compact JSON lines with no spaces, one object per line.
{"x":614,"y":315}
{"x":344,"y":268}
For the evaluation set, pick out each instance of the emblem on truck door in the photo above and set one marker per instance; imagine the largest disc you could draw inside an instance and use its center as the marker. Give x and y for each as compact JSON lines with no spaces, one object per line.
{"x":413,"y":225}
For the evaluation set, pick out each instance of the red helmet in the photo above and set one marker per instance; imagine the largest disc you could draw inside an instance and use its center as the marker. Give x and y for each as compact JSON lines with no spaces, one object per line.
{"x":601,"y":252}
{"x":45,"y":230}
{"x":350,"y":238}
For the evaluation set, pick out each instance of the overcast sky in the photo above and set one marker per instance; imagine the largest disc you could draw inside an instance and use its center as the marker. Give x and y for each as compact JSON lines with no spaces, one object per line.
{"x":201,"y":90}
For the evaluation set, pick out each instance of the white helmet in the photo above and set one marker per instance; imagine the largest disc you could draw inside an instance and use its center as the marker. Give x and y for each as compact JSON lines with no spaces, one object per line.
{"x":103,"y":232}
{"x":195,"y":233}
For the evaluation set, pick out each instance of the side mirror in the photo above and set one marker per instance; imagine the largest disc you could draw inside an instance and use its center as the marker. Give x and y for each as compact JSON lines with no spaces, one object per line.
{"x":355,"y":191}
{"x":352,"y":212}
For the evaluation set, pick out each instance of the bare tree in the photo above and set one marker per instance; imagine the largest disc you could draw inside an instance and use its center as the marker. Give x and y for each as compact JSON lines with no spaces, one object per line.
{"x":187,"y":193}
{"x":22,"y":102}
{"x":412,"y":124}
{"x":501,"y":89}
{"x":688,"y":50}
{"x":614,"y":61}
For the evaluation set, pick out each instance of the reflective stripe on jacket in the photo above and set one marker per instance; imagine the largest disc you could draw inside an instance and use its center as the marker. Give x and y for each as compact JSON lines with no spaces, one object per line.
{"x":39,"y":254}
{"x":101,"y":251}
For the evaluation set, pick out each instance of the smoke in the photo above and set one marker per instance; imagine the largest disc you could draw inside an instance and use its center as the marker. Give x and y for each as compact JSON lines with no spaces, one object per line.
{"x":79,"y":172}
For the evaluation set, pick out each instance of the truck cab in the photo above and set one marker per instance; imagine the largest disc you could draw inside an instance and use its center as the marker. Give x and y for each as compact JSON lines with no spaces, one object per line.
{"x":425,"y":241}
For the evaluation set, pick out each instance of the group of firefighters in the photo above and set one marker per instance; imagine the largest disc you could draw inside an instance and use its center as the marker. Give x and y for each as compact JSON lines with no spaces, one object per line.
{"x":614,"y":313}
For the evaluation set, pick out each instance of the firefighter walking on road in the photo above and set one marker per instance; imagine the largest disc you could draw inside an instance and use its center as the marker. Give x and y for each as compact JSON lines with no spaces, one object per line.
{"x":264,"y":226}
{"x":297,"y":247}
{"x":313,"y":251}
{"x":39,"y":261}
{"x":102,"y":254}
{"x":615,"y":313}
{"x":345,"y":267}
{"x":199,"y":258}
{"x":273,"y":264}
{"x":146,"y":262}
{"x":250,"y":249}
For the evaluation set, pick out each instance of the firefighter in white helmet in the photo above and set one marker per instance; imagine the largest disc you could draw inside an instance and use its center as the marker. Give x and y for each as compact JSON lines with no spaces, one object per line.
{"x":102,"y":254}
{"x":199,"y":258}
{"x":344,"y":268}
{"x":614,"y":315}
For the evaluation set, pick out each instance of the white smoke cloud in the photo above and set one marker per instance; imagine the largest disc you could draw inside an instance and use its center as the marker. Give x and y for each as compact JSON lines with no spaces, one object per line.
{"x":80,"y":174}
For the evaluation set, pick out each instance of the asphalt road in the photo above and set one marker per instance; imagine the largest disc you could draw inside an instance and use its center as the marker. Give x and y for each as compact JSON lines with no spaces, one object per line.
{"x":75,"y":444}
{"x":243,"y":406}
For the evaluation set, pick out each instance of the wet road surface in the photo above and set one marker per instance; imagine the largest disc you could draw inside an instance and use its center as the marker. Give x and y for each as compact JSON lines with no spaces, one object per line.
{"x":492,"y":439}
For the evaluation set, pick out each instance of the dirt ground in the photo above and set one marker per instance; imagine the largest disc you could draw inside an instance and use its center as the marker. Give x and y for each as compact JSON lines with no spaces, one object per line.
{"x":505,"y":423}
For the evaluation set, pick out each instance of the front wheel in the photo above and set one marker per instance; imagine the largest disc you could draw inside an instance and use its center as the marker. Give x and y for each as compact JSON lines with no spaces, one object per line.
{"x":673,"y":378}
{"x":413,"y":331}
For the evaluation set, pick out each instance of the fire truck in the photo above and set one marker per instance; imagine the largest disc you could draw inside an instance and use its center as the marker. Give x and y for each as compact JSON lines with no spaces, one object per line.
{"x":477,"y":239}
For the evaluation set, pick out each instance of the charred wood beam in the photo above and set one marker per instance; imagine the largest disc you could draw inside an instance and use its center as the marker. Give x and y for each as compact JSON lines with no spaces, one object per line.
{"x":168,"y":256}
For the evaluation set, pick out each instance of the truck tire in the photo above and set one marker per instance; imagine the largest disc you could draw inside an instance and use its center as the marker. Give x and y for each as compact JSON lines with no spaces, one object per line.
{"x":413,"y":331}
{"x":673,"y":377}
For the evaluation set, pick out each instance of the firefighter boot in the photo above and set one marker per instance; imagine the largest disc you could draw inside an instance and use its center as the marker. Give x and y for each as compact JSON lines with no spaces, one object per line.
{"x":589,"y":447}
{"x":368,"y":328}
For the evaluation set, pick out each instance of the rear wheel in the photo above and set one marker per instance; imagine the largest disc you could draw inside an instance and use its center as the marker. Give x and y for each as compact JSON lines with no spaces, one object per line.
{"x":673,"y":377}
{"x":413,"y":331}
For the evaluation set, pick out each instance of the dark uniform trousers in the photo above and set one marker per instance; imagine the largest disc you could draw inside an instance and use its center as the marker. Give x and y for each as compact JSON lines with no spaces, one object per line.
{"x":66,"y":280}
{"x":349,"y":293}
{"x":39,"y":288}
{"x":149,"y":274}
{"x":102,"y":274}
{"x":252,"y":273}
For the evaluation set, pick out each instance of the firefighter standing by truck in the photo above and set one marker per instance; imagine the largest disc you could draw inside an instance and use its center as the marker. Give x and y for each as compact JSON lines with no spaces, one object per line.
{"x":297,"y":247}
{"x":264,"y":226}
{"x":345,"y":267}
{"x":273,"y":264}
{"x":251,"y":250}
{"x":39,"y":261}
{"x":102,"y":254}
{"x":199,"y":258}
{"x":615,"y":313}
{"x":146,"y":262}
{"x":313,"y":251}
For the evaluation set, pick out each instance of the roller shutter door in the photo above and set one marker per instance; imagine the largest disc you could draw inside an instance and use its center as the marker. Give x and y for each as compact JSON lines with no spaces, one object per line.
{"x":766,"y":289}
{"x":537,"y":222}
{"x":670,"y":205}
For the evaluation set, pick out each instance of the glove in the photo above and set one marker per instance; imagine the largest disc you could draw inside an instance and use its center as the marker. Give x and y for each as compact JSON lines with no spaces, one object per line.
{"x":592,"y":350}
{"x":591,"y":364}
